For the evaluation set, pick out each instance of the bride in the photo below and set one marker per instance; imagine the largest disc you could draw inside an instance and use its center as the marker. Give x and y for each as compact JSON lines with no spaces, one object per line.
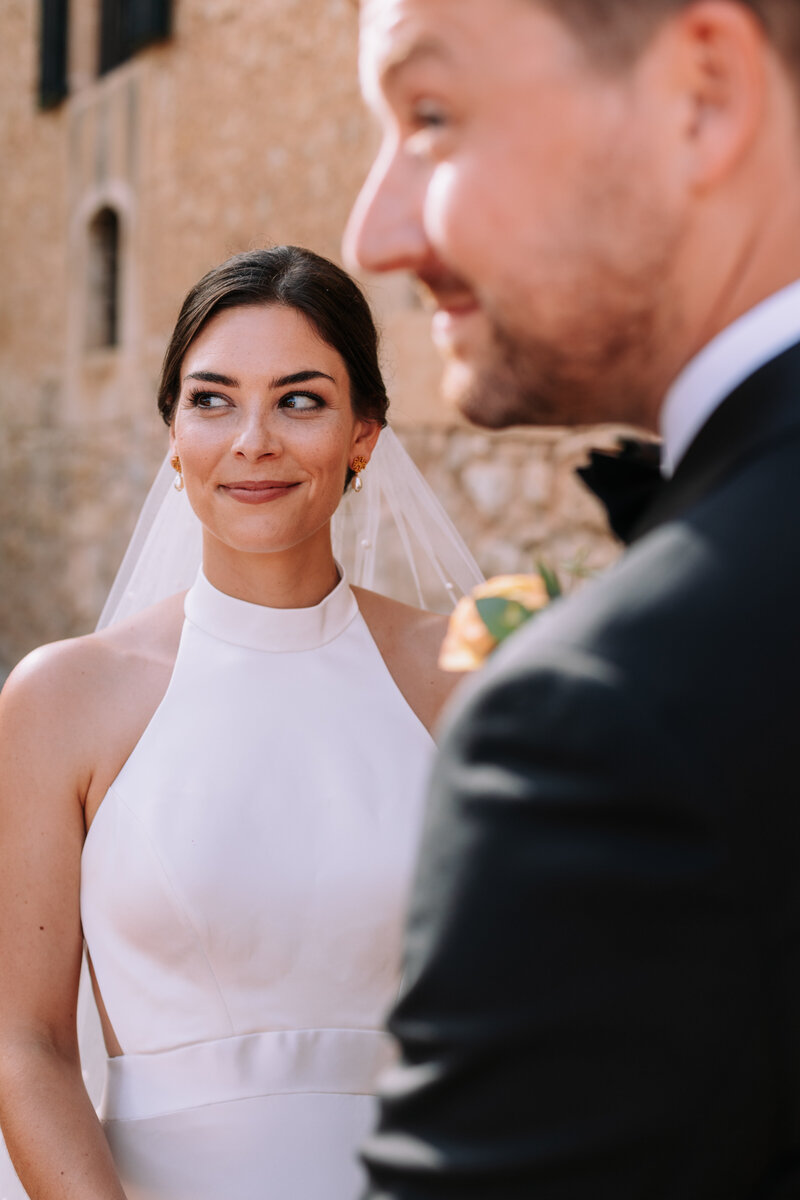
{"x":222,"y":793}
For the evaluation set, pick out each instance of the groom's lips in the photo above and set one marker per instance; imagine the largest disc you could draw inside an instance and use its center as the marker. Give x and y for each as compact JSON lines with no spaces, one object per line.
{"x":450,"y":311}
{"x":445,"y":292}
{"x":453,"y":326}
{"x":257,"y":491}
{"x":453,"y":303}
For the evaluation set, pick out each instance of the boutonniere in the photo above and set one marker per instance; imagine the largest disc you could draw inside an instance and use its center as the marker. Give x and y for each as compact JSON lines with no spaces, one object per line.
{"x":492,"y":611}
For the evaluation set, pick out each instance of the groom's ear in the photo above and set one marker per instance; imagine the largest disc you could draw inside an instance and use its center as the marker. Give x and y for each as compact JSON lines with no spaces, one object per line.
{"x":720,"y":68}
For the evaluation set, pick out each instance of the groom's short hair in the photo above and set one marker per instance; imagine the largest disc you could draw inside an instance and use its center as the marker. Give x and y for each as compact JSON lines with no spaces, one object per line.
{"x":616,"y":30}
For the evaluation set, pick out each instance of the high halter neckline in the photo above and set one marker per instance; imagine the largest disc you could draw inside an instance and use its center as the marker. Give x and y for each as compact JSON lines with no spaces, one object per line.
{"x":271,"y":629}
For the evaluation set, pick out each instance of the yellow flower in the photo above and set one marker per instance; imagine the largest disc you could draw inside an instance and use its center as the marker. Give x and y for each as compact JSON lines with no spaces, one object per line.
{"x":475,"y":627}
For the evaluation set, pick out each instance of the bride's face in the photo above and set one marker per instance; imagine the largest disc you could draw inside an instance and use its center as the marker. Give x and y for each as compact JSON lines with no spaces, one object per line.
{"x":265,"y":428}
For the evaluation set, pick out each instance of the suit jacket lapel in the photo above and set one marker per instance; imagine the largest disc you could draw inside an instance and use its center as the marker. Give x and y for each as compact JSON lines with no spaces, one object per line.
{"x":763,"y":408}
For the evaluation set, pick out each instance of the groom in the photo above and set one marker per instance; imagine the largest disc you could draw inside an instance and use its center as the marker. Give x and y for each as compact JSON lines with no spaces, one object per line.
{"x":602,"y":995}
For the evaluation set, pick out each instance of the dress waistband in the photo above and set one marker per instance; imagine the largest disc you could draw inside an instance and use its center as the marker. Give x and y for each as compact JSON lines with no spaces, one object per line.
{"x":277,"y":1062}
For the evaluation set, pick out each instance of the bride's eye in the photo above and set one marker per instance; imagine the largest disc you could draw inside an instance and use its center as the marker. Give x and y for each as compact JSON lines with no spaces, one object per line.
{"x":207,"y":400}
{"x":302,"y":402}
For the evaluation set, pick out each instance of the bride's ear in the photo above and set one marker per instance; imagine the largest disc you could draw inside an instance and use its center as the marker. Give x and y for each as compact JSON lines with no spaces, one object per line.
{"x":365,"y":436}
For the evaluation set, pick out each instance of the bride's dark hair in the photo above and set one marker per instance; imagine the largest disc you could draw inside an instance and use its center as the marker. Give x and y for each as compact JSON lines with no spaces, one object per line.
{"x":295,"y":278}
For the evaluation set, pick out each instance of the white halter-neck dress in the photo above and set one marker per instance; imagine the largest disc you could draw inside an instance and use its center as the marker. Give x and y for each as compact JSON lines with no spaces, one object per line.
{"x":243,"y":891}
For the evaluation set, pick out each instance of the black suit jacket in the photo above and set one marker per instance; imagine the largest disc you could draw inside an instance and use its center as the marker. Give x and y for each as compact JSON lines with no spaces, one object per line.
{"x":602,"y":996}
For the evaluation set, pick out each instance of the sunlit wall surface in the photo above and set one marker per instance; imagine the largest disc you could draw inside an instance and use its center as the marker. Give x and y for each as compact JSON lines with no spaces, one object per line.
{"x":145,"y":141}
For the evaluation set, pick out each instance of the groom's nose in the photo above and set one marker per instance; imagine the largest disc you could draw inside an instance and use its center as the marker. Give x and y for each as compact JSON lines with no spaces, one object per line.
{"x":386,"y":230}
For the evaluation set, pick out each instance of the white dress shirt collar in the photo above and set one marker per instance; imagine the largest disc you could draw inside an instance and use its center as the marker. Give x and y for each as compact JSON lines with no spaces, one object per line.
{"x":760,"y":335}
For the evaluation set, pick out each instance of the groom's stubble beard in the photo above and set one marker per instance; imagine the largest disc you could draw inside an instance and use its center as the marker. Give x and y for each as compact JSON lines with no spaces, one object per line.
{"x":593,"y":350}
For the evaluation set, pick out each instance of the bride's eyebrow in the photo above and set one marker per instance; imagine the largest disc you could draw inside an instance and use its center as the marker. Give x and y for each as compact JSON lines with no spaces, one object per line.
{"x":214,"y":377}
{"x":299,"y":377}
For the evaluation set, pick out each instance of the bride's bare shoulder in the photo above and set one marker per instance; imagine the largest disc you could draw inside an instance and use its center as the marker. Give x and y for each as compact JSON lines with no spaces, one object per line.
{"x":149,"y":636}
{"x":78,"y":707}
{"x":86,"y":700}
{"x":409,"y":640}
{"x":402,"y":622}
{"x":77,"y":669}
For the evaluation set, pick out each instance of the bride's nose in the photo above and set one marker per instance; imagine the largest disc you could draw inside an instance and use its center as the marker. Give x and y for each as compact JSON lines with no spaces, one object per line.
{"x":255,"y":435}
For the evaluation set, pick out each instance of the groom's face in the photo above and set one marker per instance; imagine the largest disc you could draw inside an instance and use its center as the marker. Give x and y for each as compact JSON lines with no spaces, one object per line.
{"x":526,"y":187}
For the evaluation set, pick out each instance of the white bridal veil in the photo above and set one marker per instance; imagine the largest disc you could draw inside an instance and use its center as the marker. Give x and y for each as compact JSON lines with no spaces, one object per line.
{"x":393,"y":536}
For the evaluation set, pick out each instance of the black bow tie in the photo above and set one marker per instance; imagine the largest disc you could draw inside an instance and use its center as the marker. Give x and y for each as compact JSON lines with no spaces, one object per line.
{"x":626,"y":482}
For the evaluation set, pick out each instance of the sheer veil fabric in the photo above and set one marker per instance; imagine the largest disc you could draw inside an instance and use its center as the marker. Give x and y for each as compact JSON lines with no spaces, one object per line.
{"x":394,"y":537}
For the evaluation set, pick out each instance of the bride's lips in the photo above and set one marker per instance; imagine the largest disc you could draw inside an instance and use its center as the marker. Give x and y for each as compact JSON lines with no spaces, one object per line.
{"x":257,"y":491}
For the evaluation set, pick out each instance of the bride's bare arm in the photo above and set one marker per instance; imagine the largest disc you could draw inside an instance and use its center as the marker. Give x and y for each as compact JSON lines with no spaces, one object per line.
{"x":53,"y":1135}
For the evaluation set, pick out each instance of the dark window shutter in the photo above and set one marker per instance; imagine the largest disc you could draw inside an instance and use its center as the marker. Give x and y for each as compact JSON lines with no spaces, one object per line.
{"x":128,"y":25}
{"x":148,"y":21}
{"x":53,"y":52}
{"x":112,"y":34}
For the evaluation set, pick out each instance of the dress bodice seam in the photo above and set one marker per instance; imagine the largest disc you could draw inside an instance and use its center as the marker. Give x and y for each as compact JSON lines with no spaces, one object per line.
{"x":235,"y":1036}
{"x":113,"y":787}
{"x":180,"y":905}
{"x":243,"y":1100}
{"x":136,"y":750}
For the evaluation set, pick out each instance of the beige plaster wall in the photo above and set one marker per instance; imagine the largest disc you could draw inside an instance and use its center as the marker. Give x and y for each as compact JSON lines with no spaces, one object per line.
{"x":245,"y":128}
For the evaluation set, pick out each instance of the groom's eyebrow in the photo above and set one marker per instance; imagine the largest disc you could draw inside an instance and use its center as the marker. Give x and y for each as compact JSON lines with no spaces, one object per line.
{"x":214,"y":377}
{"x":408,"y":53}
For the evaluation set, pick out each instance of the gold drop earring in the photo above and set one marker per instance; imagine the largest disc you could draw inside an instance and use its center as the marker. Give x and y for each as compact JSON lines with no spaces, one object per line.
{"x":357,"y":465}
{"x":175,"y":463}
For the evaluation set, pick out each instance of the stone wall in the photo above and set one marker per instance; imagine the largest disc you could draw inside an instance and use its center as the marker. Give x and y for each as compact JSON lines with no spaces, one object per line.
{"x":67,"y":508}
{"x":245,"y":128}
{"x":515,"y":497}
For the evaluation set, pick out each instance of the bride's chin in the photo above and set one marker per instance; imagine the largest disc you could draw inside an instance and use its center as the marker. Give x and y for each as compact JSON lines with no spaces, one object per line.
{"x":248,"y":543}
{"x":255,"y":534}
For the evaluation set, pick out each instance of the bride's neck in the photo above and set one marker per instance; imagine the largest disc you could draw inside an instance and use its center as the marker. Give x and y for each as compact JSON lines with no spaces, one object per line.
{"x":298,"y":577}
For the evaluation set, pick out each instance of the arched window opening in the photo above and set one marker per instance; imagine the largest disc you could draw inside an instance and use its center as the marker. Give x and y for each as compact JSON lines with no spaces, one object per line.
{"x":102,"y":326}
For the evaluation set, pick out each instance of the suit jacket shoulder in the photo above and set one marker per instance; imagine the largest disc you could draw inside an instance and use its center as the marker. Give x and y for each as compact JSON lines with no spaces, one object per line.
{"x":602,"y":980}
{"x":699,"y":621}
